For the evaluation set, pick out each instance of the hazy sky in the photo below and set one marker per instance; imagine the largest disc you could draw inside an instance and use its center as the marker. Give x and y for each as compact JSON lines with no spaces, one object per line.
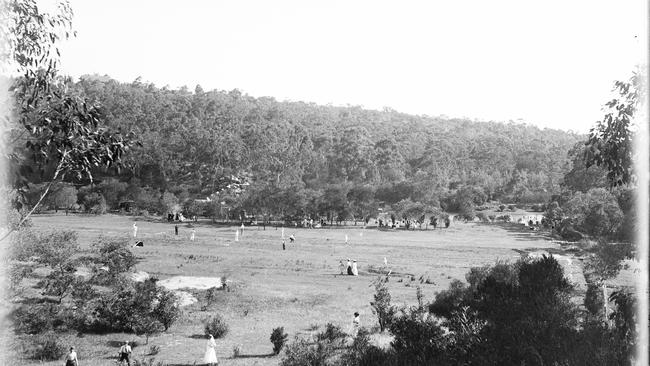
{"x":548,"y":63}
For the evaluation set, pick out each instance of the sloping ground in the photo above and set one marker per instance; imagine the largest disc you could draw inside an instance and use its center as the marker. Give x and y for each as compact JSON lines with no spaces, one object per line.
{"x":294,"y":288}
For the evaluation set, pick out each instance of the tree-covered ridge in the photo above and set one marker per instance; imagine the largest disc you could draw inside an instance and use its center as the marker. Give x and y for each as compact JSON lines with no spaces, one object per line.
{"x":199,"y":139}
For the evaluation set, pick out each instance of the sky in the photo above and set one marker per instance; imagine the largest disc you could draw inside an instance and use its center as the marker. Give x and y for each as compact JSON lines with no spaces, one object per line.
{"x":548,"y":63}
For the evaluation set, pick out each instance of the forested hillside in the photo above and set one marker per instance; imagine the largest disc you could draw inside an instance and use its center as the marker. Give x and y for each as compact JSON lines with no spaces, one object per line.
{"x":303,"y":158}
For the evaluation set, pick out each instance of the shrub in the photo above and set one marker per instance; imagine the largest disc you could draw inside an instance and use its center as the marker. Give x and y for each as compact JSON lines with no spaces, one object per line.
{"x":417,"y":341}
{"x":300,"y":353}
{"x":147,"y":326}
{"x":95,"y":203}
{"x":381,"y":304}
{"x":154,"y":350}
{"x":36,"y":318}
{"x":448,"y":300}
{"x":362,"y":353}
{"x":596,"y":212}
{"x":47,"y":348}
{"x":331,"y":333}
{"x":216,"y":326}
{"x":115,"y":254}
{"x":278,"y":338}
{"x":210,"y":297}
{"x":483,"y":217}
{"x":594,"y":300}
{"x":167,"y":310}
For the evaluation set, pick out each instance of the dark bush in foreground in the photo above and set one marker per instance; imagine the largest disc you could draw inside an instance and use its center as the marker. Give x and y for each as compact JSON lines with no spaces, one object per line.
{"x":362,"y":353}
{"x":216,"y":326}
{"x":278,"y":338}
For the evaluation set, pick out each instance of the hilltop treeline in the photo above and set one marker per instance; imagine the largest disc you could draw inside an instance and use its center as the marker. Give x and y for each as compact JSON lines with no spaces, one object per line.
{"x":303,"y":158}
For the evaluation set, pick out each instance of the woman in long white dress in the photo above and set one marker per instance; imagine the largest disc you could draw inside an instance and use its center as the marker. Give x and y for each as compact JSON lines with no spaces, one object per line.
{"x":210,"y":357}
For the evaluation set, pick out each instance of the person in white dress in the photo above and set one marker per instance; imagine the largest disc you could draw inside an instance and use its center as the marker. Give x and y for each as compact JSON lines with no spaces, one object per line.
{"x":193,"y":232}
{"x":356,"y":324}
{"x":355,"y":271}
{"x":135,"y":230}
{"x":210,"y":356}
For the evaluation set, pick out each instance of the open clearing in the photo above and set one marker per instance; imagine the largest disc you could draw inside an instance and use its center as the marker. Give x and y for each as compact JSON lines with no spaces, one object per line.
{"x":298,"y":288}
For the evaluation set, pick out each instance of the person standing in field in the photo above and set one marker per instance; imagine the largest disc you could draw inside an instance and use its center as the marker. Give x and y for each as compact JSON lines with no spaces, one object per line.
{"x":135,"y":229}
{"x":71,"y":358}
{"x":349,"y":268}
{"x":242,"y":229}
{"x":210,"y":356}
{"x":176,"y":229}
{"x":192,"y":233}
{"x":125,"y":353}
{"x":356,"y":324}
{"x":283,"y":245}
{"x":355,"y":271}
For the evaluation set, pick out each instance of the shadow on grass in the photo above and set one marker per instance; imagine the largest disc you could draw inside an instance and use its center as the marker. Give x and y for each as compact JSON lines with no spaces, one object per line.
{"x":257,"y":356}
{"x":37,"y":300}
{"x":117,"y":344}
{"x":198,"y":336}
{"x":523,"y":232}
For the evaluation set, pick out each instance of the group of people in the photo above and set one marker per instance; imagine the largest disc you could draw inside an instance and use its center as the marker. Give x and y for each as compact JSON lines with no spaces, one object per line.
{"x":352,"y":269}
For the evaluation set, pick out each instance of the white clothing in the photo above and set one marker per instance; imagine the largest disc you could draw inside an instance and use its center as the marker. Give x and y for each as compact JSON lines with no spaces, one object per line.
{"x":210,"y":352}
{"x":125,"y":349}
{"x":356,"y":324}
{"x":355,"y":271}
{"x":135,"y":230}
{"x":72,"y":356}
{"x":192,"y":235}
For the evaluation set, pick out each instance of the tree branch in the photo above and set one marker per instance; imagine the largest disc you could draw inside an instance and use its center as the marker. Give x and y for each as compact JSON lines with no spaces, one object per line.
{"x":47,"y":190}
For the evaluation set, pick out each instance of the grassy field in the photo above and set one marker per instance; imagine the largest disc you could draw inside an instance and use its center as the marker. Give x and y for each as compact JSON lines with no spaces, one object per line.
{"x":300,"y":288}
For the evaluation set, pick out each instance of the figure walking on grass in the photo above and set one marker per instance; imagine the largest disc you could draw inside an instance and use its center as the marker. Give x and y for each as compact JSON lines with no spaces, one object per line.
{"x":135,"y":229}
{"x":349,"y":269}
{"x":210,"y":357}
{"x":125,"y":354}
{"x":356,"y":324}
{"x":192,"y":233}
{"x":71,"y":358}
{"x":355,"y":271}
{"x":283,"y":246}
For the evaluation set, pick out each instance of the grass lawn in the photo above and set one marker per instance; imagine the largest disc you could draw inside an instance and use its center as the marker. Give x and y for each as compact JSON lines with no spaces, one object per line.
{"x":299,"y":288}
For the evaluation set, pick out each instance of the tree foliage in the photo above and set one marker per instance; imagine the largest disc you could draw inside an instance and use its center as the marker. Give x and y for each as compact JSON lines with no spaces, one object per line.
{"x":610,"y":142}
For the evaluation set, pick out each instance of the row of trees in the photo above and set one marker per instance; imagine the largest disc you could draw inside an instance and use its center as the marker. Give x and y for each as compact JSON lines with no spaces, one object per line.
{"x":196,"y":144}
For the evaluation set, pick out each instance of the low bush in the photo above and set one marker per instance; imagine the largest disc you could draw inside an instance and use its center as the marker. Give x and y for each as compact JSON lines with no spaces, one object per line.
{"x":46,"y":348}
{"x":301,"y":352}
{"x":363,"y":353}
{"x":483,"y":217}
{"x":278,"y":338}
{"x":153,"y":350}
{"x":331,"y":333}
{"x":115,"y":253}
{"x":35,"y":318}
{"x":216,"y":326}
